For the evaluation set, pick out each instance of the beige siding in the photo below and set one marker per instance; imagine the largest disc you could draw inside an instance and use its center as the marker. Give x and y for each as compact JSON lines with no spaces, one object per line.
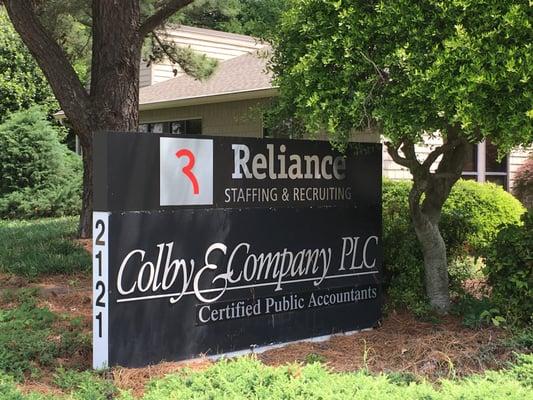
{"x":516,"y":158}
{"x":237,"y":118}
{"x":163,"y":72}
{"x":145,"y":75}
{"x":213,"y":44}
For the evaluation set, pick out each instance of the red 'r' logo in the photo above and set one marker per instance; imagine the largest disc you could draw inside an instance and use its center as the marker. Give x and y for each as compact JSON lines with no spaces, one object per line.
{"x":187,"y":169}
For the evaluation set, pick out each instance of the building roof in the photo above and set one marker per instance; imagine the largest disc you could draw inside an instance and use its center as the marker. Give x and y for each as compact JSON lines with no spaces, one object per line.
{"x":246,"y":75}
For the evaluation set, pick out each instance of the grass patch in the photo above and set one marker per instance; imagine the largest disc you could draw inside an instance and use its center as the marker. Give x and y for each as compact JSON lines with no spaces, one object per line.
{"x":32,"y":338}
{"x":38,"y":247}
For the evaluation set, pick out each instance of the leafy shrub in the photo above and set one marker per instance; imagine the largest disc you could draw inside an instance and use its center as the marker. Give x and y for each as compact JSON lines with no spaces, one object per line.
{"x":509,"y":269}
{"x":470,"y":221}
{"x":474,"y":212}
{"x":39,"y":175}
{"x":523,"y":183}
{"x":477,"y":312}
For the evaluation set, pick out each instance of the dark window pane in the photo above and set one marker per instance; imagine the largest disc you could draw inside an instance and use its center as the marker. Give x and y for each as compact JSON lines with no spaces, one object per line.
{"x":470,"y":164}
{"x":492,"y":164}
{"x":156,"y":128}
{"x":178,"y":128}
{"x":500,"y":180}
{"x":194,"y":127}
{"x":469,"y":177}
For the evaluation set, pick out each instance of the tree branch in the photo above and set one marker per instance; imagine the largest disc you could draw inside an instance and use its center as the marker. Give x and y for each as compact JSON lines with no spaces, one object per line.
{"x":52,"y":60}
{"x":432,"y":157}
{"x":408,"y":148}
{"x":395,"y":155}
{"x":165,"y":50}
{"x":166,"y":11}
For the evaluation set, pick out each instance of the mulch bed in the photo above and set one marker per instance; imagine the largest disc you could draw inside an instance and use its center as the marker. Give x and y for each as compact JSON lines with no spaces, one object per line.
{"x":400,"y":344}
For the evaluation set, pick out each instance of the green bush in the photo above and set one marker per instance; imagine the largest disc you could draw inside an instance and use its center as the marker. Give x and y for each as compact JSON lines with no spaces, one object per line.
{"x":474,"y":213}
{"x":470,"y":221}
{"x":509,"y":269}
{"x":39,"y":175}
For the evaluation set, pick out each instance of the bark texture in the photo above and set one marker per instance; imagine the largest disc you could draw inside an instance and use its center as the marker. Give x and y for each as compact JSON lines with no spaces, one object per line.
{"x":112,"y":102}
{"x":428,"y":194}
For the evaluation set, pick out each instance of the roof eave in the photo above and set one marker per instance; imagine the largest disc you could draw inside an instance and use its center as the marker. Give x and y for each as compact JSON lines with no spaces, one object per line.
{"x":211,"y":99}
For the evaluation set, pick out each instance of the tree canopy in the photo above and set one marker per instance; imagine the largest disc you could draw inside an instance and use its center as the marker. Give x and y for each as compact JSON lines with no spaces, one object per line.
{"x":460,"y":70}
{"x":259,"y":18}
{"x":410,"y":68}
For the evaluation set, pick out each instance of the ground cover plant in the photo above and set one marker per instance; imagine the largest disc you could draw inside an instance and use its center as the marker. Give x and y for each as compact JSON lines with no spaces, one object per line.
{"x":33,"y":338}
{"x":45,"y":246}
{"x":247,"y":378}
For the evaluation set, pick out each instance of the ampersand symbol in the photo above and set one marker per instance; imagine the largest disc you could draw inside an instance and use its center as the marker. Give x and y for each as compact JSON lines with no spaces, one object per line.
{"x":285,"y":194}
{"x":187,"y":169}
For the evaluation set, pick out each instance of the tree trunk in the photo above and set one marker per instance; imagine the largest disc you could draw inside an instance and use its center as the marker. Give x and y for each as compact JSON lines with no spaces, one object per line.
{"x":435,"y":260}
{"x":426,"y":199}
{"x":86,"y":214}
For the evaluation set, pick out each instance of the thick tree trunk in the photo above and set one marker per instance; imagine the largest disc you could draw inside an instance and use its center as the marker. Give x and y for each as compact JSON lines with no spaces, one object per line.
{"x":435,"y":260}
{"x":86,"y":214}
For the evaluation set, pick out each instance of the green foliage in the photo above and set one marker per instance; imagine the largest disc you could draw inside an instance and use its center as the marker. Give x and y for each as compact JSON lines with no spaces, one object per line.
{"x":259,"y":18}
{"x":84,"y":384}
{"x":248,"y":378}
{"x":473,"y":213}
{"x":523,"y":183}
{"x":509,"y":269}
{"x":39,"y":175}
{"x":21,"y":82}
{"x":29,"y":338}
{"x":477,"y":312}
{"x":409,"y":68}
{"x":312,"y":358}
{"x":39,"y":247}
{"x":470,"y":220}
{"x":24,"y":334}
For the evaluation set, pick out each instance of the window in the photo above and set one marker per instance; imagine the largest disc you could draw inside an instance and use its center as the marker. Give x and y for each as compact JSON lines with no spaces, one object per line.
{"x":181,"y":127}
{"x":482,"y":164}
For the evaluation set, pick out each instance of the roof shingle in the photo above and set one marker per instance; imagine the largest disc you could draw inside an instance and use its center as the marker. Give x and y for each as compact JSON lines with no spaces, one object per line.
{"x":241,"y":74}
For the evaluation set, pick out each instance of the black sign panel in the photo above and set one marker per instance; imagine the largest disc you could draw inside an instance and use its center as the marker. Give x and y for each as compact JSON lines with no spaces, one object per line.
{"x":207,"y":245}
